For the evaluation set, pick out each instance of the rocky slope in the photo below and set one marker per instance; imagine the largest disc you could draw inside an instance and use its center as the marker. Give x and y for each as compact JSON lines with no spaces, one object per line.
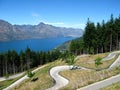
{"x":19,"y":32}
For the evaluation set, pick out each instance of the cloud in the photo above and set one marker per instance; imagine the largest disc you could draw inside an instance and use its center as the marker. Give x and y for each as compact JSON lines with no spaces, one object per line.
{"x":61,"y":24}
{"x":35,"y":15}
{"x":55,"y":23}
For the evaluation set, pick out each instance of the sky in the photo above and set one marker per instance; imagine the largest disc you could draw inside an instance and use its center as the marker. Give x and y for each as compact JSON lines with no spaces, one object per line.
{"x":63,"y":13}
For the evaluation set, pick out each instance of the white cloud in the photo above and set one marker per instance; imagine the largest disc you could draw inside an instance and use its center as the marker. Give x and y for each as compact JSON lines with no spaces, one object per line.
{"x":35,"y":15}
{"x":61,"y":24}
{"x":54,"y":23}
{"x":39,"y":19}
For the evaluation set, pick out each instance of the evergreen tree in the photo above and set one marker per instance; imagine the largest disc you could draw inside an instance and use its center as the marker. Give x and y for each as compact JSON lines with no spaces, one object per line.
{"x":101,"y":38}
{"x":28,"y":53}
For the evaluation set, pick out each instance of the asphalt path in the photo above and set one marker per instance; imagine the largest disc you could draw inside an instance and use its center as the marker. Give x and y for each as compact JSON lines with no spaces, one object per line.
{"x":111,"y":56}
{"x":61,"y":81}
{"x":109,"y":81}
{"x":11,"y":77}
{"x":116,"y":63}
{"x":101,"y":84}
{"x":21,"y":79}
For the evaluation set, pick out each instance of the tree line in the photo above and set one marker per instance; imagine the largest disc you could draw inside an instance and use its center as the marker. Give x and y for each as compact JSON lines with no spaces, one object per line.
{"x":99,"y":38}
{"x":12,"y":62}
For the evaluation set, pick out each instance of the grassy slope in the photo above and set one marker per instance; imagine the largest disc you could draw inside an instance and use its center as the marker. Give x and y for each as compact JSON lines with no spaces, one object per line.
{"x":77,"y":78}
{"x":6,"y":83}
{"x":44,"y":80}
{"x":64,"y":46}
{"x":89,"y":61}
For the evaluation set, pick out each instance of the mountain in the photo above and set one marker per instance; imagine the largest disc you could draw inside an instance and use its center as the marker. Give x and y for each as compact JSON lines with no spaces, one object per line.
{"x":18,"y":32}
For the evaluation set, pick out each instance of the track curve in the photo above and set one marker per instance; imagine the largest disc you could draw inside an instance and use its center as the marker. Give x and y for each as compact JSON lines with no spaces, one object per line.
{"x":61,"y":81}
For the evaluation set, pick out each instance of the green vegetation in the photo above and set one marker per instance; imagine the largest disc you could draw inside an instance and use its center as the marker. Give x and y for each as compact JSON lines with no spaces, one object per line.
{"x":30,"y":74}
{"x":70,"y":59}
{"x":6,"y":83}
{"x":100,"y":38}
{"x":44,"y":80}
{"x":12,"y":62}
{"x":64,"y":46}
{"x":80,"y":78}
{"x":114,"y":86}
{"x":89,"y":62}
{"x":98,"y":61}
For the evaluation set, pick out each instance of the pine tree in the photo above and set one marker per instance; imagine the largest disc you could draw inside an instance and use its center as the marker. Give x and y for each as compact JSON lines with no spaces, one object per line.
{"x":28,"y":53}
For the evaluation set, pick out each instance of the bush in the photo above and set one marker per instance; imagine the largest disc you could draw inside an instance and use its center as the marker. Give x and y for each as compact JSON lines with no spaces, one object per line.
{"x":98,"y":61}
{"x":70,"y":60}
{"x":30,"y":74}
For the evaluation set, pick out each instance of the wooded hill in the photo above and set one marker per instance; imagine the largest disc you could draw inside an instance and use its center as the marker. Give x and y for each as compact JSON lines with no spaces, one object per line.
{"x":12,"y":62}
{"x":99,"y":38}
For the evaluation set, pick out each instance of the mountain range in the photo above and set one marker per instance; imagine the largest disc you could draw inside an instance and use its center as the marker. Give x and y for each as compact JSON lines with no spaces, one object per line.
{"x":19,"y":32}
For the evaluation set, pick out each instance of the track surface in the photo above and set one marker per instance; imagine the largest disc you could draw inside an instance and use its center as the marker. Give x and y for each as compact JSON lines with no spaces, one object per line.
{"x":61,"y":81}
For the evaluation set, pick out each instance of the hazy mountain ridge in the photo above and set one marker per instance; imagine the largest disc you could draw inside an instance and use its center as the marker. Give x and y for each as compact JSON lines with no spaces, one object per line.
{"x":19,"y":32}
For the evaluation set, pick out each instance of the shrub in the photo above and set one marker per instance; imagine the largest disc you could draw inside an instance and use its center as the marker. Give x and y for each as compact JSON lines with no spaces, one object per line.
{"x":70,"y":60}
{"x":30,"y":74}
{"x":98,"y":61}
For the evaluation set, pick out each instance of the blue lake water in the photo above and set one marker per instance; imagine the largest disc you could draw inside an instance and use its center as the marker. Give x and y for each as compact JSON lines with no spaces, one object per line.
{"x":33,"y":44}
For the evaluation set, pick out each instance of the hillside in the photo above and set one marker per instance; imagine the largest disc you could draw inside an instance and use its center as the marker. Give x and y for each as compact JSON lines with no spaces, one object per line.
{"x":75,"y":77}
{"x":42,"y":30}
{"x":66,"y":45}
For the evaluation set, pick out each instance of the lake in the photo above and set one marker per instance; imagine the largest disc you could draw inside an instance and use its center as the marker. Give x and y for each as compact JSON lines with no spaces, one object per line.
{"x":33,"y":44}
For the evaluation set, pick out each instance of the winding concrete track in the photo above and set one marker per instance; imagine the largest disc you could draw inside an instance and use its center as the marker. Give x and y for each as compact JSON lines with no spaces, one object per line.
{"x":111,"y":55}
{"x":101,"y":84}
{"x":116,"y":63}
{"x":106,"y":82}
{"x":61,"y":81}
{"x":12,"y":77}
{"x":21,"y":79}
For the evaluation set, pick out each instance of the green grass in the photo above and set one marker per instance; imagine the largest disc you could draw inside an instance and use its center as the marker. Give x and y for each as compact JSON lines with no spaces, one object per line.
{"x":89,"y":62}
{"x":6,"y":83}
{"x":78,"y":78}
{"x":44,"y":80}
